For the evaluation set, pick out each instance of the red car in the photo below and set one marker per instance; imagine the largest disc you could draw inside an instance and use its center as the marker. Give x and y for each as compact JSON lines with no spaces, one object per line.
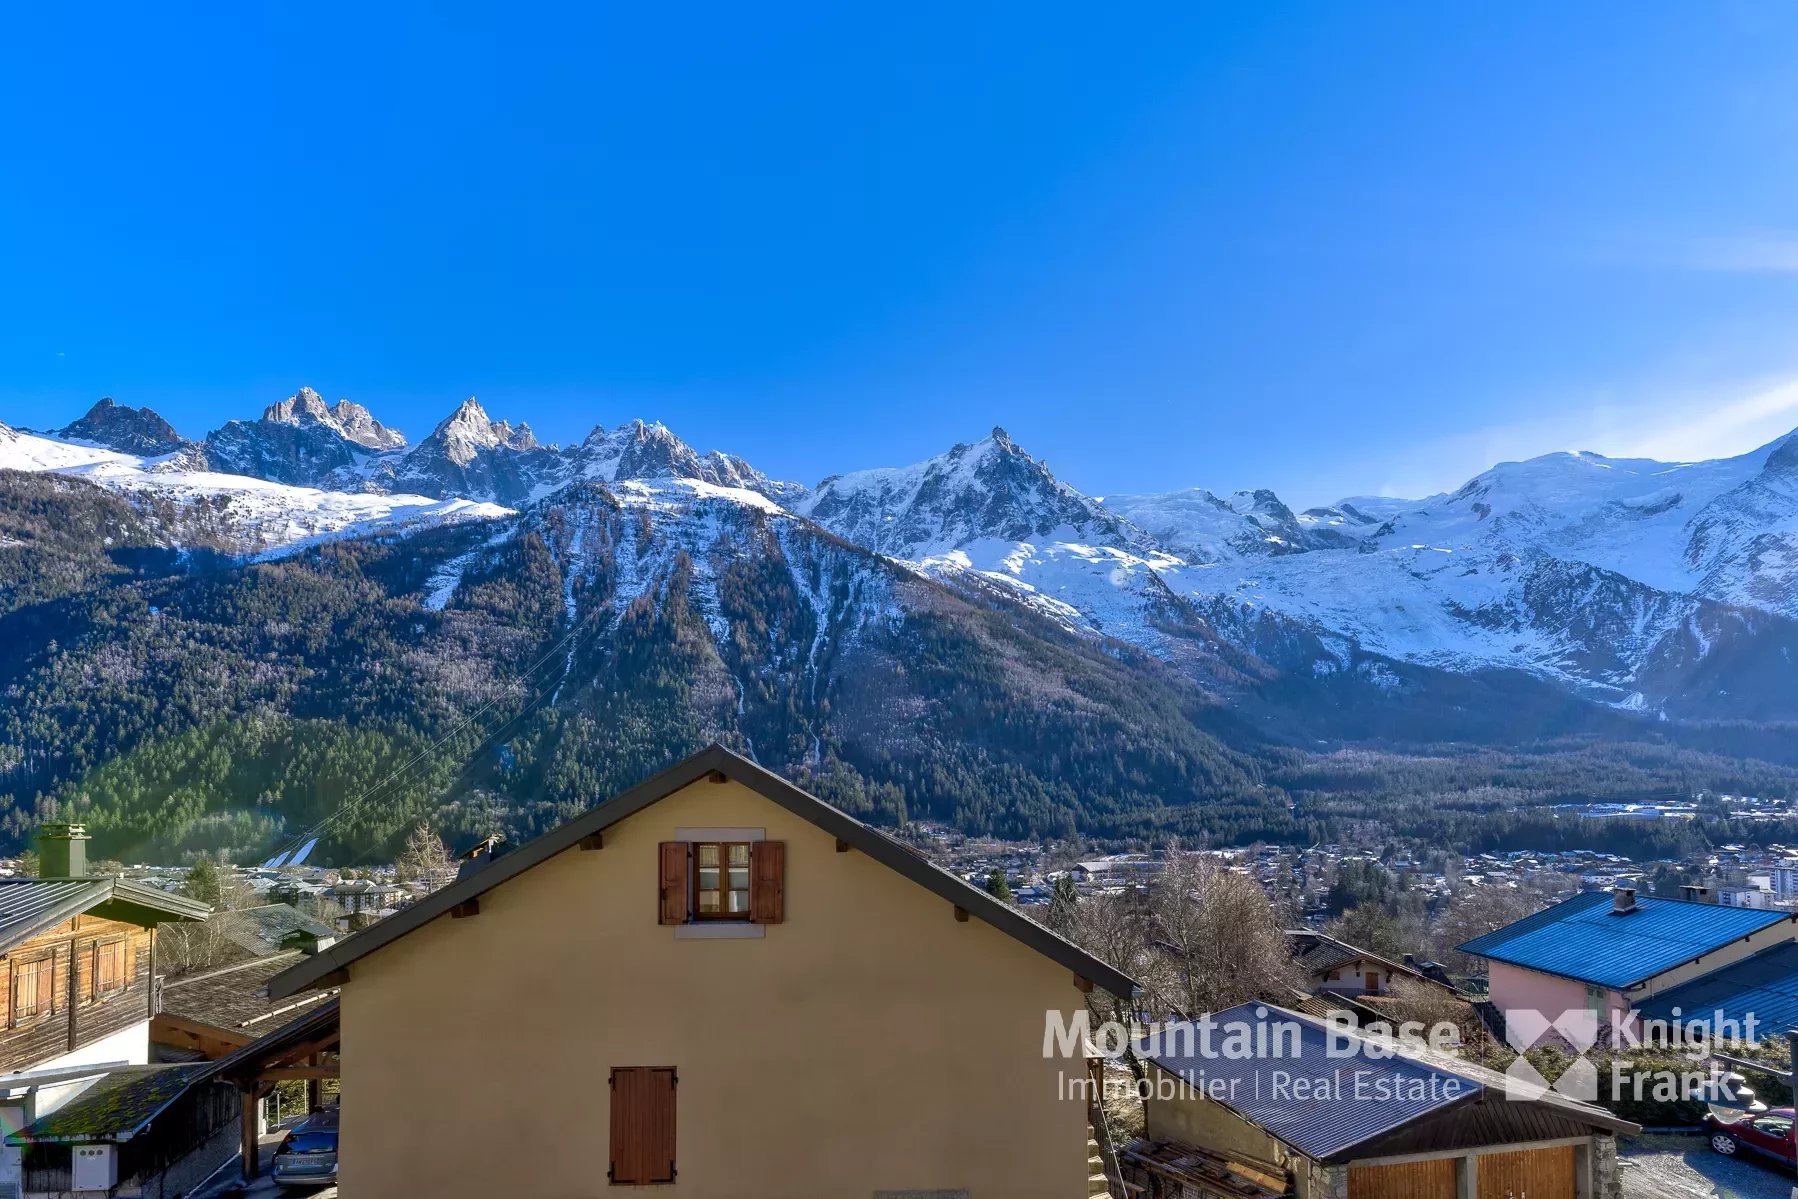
{"x":1768,"y":1135}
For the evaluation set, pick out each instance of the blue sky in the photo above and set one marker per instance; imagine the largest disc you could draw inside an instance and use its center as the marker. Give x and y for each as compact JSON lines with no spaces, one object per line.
{"x":1323,"y":248}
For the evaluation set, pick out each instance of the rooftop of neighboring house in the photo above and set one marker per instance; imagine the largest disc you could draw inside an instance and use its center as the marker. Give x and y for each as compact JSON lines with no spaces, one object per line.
{"x":235,"y":997}
{"x":1618,"y":940}
{"x":115,"y":1108}
{"x":1394,"y":1088}
{"x":30,"y":907}
{"x":266,"y":929}
{"x":1763,"y":986}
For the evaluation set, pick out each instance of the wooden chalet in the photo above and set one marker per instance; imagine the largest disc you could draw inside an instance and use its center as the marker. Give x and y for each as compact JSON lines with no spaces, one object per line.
{"x":77,"y":981}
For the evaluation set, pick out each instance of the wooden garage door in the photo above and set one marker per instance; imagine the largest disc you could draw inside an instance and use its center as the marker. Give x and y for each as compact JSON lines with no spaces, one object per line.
{"x":1434,"y":1179}
{"x":1535,"y":1173}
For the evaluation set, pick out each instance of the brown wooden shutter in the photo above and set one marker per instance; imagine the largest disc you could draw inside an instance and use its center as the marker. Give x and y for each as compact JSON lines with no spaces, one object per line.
{"x":767,"y":882}
{"x":642,"y":1124}
{"x":674,"y":883}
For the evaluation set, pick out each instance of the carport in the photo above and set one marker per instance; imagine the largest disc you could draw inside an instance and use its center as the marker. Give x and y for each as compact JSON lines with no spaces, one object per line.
{"x":305,"y":1048}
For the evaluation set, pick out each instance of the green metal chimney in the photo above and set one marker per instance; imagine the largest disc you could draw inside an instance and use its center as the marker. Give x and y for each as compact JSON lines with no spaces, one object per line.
{"x":61,"y":851}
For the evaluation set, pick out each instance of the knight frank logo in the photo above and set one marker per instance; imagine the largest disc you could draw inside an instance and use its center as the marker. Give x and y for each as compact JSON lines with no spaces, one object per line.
{"x":1576,"y":1030}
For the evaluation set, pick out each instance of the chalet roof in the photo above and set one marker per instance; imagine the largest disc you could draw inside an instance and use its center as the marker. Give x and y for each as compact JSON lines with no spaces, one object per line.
{"x":1584,"y":938}
{"x":875,"y":844}
{"x":235,"y":997}
{"x":1317,"y":951}
{"x":30,"y":906}
{"x":115,"y":1108}
{"x":259,"y":930}
{"x":1387,"y":1089}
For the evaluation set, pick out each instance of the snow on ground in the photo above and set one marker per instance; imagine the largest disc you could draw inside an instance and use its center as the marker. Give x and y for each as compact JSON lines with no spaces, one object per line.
{"x":256,"y":515}
{"x":1090,"y":588}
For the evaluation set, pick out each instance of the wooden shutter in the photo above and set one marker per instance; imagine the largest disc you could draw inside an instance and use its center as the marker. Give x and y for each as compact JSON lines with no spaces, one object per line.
{"x":642,"y":1124}
{"x":767,"y":882}
{"x":674,"y":882}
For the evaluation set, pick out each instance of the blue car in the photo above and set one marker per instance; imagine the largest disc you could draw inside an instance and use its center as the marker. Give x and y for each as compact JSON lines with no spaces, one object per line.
{"x":307,"y":1156}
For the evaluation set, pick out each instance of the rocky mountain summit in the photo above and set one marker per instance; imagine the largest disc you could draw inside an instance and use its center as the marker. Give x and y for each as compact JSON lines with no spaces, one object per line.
{"x":128,"y":430}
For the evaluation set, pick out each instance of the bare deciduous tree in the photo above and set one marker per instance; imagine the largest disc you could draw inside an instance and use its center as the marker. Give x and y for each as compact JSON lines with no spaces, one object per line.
{"x":1218,"y":938}
{"x":1115,"y":928}
{"x":1476,"y":911}
{"x":425,"y":859}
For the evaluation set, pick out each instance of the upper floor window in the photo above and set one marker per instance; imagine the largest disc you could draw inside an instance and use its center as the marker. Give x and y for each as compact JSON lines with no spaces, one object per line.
{"x":721,"y":880}
{"x":33,"y":988}
{"x":111,"y":968}
{"x":743,"y":881}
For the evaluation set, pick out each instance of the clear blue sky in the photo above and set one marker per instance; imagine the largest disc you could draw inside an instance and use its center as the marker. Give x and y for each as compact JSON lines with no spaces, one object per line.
{"x":1321,"y":247}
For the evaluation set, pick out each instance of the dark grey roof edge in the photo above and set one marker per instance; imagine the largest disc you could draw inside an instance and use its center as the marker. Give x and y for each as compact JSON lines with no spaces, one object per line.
{"x":178,"y":906}
{"x":97,"y":891}
{"x":176,"y":983}
{"x":74,"y":904}
{"x":769,"y":785}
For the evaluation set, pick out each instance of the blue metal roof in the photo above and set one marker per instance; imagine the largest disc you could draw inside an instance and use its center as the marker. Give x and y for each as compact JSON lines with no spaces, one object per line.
{"x":1764,"y":986}
{"x":1583,"y":938}
{"x":1366,"y":1096}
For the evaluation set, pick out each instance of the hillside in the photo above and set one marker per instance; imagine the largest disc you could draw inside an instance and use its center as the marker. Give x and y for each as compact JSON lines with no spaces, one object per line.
{"x":196,"y":658}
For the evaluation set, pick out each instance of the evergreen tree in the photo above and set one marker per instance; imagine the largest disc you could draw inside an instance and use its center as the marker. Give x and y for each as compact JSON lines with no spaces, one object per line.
{"x":202,"y":882}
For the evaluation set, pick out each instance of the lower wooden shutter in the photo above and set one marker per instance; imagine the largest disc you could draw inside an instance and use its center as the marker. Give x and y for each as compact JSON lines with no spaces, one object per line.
{"x":767,"y":882}
{"x":673,"y":891}
{"x":642,"y":1124}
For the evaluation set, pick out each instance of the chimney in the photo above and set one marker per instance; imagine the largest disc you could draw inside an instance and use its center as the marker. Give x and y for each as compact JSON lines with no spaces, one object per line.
{"x":61,"y":851}
{"x":1695,"y":893}
{"x":1623,"y":901}
{"x":480,"y":855}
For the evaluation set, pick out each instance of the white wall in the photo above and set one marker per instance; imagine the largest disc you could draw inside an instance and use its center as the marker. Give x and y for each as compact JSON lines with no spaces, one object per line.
{"x":129,"y":1045}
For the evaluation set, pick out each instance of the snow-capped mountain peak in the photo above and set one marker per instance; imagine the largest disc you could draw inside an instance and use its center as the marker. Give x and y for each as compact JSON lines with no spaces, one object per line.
{"x":351,"y":422}
{"x":128,"y":430}
{"x":985,"y":490}
{"x":637,"y":450}
{"x":304,"y":442}
{"x":468,"y":430}
{"x":239,"y":513}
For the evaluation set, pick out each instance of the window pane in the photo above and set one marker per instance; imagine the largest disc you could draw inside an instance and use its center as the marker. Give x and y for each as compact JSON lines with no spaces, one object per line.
{"x":739,"y":855}
{"x":739,"y":878}
{"x":708,"y":855}
{"x":739,"y":901}
{"x":708,"y":878}
{"x":708,"y":902}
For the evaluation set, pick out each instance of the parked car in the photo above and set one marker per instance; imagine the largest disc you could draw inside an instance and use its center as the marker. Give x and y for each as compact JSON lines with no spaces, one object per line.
{"x":1769,"y":1135}
{"x":307,"y":1156}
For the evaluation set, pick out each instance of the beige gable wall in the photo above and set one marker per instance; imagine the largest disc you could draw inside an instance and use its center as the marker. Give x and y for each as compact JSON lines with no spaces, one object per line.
{"x":869,"y":1042}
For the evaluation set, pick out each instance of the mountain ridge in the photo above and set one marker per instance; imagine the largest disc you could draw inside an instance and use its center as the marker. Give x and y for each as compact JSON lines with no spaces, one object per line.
{"x":1501,"y":573}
